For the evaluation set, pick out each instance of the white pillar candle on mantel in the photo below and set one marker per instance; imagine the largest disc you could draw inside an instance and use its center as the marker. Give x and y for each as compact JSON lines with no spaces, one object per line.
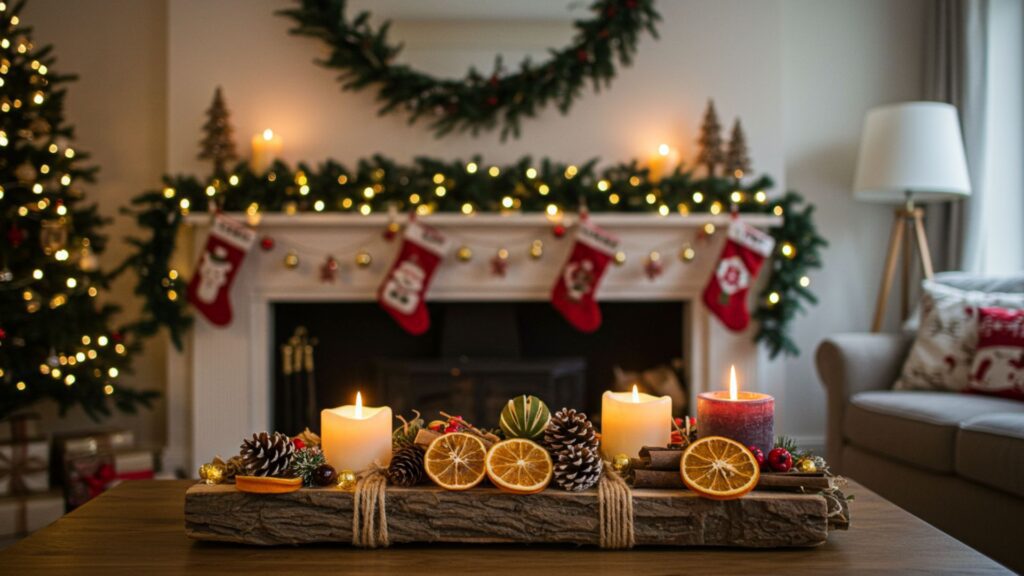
{"x":356,"y":437}
{"x":631,"y":420}
{"x":266,"y":147}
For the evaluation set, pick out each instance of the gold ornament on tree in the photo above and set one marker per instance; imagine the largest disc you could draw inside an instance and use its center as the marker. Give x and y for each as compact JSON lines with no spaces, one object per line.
{"x":218,"y":143}
{"x":87,"y":260}
{"x":737,"y":159}
{"x":53,"y":235}
{"x":710,"y":140}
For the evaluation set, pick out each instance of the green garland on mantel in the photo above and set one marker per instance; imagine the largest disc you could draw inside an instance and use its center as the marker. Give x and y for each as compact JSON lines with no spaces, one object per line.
{"x":364,"y":57}
{"x":428,"y":185}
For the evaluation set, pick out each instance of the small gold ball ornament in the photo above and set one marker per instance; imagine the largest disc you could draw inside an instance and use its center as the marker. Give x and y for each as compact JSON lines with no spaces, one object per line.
{"x":291,"y":260}
{"x":347,"y":480}
{"x":211,"y":473}
{"x":620,"y":463}
{"x":620,"y":258}
{"x":807,"y":466}
{"x":363,"y":259}
{"x":687,"y":253}
{"x":464,"y":254}
{"x":536,"y":249}
{"x":394,"y":228}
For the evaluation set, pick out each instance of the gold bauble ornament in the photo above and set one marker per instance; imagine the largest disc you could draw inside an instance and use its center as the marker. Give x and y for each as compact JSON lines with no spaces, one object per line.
{"x":687,"y":253}
{"x":394,"y":228}
{"x":807,"y":466}
{"x":347,"y":480}
{"x":536,"y":249}
{"x":363,"y":259}
{"x":464,"y":254}
{"x":620,"y":463}
{"x":211,"y":473}
{"x":620,"y":258}
{"x":291,"y":260}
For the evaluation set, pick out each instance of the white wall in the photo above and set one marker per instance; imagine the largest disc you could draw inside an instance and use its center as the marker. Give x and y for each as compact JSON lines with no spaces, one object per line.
{"x":800,"y":73}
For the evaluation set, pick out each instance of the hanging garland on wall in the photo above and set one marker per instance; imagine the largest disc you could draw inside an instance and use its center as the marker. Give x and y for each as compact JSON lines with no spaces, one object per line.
{"x":363,"y":56}
{"x":428,"y":185}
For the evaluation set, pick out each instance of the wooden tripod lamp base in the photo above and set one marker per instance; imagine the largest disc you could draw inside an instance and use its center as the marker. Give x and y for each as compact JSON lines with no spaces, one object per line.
{"x":908,"y":225}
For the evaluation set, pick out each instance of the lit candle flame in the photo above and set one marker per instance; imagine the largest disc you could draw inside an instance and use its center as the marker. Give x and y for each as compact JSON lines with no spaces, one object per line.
{"x":664,"y":149}
{"x":268,"y":134}
{"x":636,"y":395}
{"x":732,"y":383}
{"x":359,"y":405}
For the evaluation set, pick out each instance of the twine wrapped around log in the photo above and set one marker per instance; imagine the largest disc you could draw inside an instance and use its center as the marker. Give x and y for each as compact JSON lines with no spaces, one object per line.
{"x":615,"y":503}
{"x":369,"y":514}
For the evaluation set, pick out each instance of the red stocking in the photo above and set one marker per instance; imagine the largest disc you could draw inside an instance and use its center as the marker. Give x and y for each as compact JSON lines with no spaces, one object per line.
{"x":210,"y":287}
{"x":404,"y":290}
{"x":741,"y":259}
{"x":573,"y":294}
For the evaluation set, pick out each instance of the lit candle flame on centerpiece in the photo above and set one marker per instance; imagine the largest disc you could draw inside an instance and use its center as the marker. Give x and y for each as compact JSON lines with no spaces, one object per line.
{"x":268,"y":134}
{"x":733,"y":394}
{"x":636,"y":395}
{"x":359,"y":405}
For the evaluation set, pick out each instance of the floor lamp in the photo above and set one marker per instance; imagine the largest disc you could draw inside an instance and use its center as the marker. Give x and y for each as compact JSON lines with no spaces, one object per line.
{"x":910,"y":153}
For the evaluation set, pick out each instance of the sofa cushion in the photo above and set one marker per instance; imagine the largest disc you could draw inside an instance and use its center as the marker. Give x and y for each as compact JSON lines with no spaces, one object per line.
{"x":918,"y":428}
{"x":990,"y":450}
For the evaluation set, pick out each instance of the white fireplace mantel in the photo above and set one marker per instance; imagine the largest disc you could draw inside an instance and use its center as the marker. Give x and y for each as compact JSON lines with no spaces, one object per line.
{"x":220,"y":387}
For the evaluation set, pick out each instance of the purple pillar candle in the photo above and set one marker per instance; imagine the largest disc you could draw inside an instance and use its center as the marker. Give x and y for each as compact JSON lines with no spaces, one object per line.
{"x":746,"y":417}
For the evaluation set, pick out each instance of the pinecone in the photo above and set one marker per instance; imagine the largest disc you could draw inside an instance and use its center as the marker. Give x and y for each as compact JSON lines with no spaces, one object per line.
{"x":577,"y":468}
{"x":569,"y":428}
{"x":406,"y":467}
{"x":268,"y":454}
{"x":305,"y":463}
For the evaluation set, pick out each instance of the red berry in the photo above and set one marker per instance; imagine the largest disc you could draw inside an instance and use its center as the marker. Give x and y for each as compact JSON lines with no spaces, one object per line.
{"x":299,"y":444}
{"x":267,"y":243}
{"x":780,"y":460}
{"x":758,"y":455}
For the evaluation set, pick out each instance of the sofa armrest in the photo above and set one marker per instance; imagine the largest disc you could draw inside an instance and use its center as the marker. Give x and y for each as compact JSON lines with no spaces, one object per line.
{"x":851,"y":363}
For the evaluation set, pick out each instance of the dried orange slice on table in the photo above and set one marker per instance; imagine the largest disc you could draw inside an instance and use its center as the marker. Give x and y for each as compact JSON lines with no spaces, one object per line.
{"x":455,"y":461}
{"x":519,"y":466}
{"x":719,"y":468}
{"x":267,"y":484}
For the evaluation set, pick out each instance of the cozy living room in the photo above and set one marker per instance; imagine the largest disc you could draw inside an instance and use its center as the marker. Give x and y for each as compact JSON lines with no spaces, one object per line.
{"x":575,"y":286}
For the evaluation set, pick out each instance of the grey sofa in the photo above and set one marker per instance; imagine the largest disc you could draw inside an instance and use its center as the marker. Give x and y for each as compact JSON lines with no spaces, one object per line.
{"x":955,"y":460}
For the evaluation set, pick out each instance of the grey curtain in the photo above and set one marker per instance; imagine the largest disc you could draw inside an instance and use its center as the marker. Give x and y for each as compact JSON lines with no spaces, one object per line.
{"x":956,"y":72}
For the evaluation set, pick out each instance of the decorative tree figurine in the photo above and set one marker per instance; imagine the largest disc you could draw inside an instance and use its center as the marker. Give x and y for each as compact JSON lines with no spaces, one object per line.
{"x":710,"y":140}
{"x":737,"y":161}
{"x":218,"y":144}
{"x":56,"y":339}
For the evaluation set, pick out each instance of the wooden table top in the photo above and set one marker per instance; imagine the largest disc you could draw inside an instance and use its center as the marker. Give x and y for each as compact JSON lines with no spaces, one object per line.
{"x":138,"y":528}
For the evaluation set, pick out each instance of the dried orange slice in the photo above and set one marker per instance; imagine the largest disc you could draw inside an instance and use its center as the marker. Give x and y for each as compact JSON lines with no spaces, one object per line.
{"x":519,"y":466}
{"x":455,"y":461}
{"x":719,"y":468}
{"x":267,"y":484}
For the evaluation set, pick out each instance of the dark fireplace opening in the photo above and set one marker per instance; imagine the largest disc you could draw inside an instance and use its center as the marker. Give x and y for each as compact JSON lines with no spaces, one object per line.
{"x":475,"y":356}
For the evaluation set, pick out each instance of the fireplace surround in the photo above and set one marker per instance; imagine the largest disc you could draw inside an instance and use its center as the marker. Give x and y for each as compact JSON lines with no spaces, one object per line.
{"x":234,"y":366}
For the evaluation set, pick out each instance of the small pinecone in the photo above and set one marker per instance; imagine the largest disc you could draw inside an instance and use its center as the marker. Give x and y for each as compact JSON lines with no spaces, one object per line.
{"x":569,"y":428}
{"x":577,"y":468}
{"x":406,"y":467}
{"x":268,"y":454}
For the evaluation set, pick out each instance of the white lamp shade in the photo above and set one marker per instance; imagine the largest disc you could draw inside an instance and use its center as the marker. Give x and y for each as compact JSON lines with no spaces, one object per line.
{"x":913,"y":147}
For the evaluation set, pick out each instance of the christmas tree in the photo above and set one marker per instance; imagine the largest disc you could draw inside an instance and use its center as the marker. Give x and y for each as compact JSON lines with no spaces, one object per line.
{"x":710,"y":140}
{"x":56,"y":339}
{"x":737,"y":159}
{"x":218,"y":143}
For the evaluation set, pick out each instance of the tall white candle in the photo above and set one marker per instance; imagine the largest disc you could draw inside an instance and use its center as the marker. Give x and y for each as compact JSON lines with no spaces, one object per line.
{"x":631,"y":420}
{"x":354,"y":437}
{"x":266,"y":147}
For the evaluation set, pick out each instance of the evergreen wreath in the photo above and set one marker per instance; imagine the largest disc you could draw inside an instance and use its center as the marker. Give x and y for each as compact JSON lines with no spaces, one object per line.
{"x":363,"y":56}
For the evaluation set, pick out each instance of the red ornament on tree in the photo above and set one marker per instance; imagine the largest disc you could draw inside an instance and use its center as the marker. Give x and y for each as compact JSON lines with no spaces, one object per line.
{"x":583,"y":56}
{"x":558,"y":230}
{"x":267,"y":243}
{"x":117,"y":336}
{"x":15,"y":235}
{"x":3,"y":334}
{"x":329,"y":270}
{"x":492,"y":100}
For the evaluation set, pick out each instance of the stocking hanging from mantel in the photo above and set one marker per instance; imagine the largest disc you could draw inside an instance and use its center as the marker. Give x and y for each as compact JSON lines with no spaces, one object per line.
{"x":745,"y":250}
{"x":210,"y":288}
{"x":577,"y":283}
{"x":403,"y":292}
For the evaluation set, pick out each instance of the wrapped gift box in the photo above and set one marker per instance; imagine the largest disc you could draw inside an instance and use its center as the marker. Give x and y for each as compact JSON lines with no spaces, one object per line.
{"x":20,"y":427}
{"x":21,"y":515}
{"x":68,"y":446}
{"x":24,"y":467}
{"x":89,"y":476}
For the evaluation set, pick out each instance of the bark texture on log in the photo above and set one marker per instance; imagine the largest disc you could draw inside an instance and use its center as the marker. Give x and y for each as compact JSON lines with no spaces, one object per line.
{"x":486,"y":515}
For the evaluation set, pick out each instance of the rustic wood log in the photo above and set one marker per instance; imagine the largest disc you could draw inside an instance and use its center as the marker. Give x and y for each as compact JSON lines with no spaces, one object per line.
{"x":486,"y":515}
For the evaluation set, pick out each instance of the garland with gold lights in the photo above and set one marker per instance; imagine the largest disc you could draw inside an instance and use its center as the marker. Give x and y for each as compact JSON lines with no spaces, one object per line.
{"x":380,"y":185}
{"x":363,"y":56}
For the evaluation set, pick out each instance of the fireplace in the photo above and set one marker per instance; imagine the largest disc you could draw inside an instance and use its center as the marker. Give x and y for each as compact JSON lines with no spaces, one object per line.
{"x":237,"y":366}
{"x":475,"y":357}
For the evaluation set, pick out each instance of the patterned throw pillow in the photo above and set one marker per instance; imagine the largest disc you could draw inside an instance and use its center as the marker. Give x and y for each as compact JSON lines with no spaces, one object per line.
{"x":941,"y":356}
{"x":998,"y":367}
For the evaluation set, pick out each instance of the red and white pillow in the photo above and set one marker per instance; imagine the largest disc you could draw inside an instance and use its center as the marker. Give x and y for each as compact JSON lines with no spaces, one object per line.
{"x":943,"y":352}
{"x":998,"y":366}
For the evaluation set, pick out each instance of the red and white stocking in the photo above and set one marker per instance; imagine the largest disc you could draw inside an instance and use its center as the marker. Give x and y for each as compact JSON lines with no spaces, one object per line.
{"x":403,"y":292}
{"x":210,"y":287}
{"x":726,"y":294}
{"x":573,"y":294}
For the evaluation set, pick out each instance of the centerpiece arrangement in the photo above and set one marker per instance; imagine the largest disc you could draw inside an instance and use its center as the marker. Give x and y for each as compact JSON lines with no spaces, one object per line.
{"x":644,"y":479}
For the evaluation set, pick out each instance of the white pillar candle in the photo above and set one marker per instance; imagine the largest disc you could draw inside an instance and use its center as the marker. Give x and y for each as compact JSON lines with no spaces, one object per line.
{"x":266,"y":147}
{"x":356,"y":437}
{"x":630,"y":421}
